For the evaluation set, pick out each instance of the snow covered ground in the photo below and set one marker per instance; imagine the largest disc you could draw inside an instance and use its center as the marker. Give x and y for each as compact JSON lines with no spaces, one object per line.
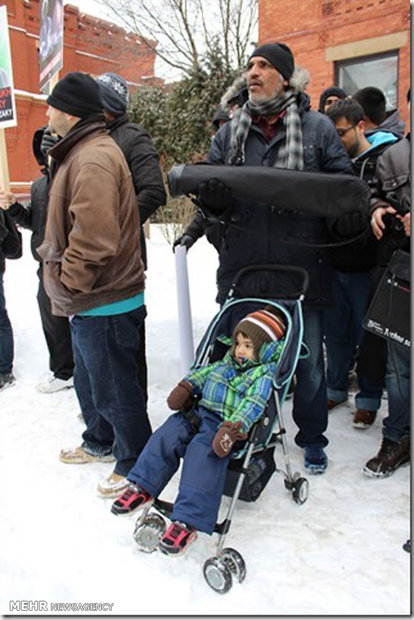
{"x":338,"y":554}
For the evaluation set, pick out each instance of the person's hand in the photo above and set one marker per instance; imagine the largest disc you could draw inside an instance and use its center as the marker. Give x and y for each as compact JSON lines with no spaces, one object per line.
{"x":180,"y":396}
{"x":377,"y":222}
{"x":226,"y":437}
{"x":406,"y":222}
{"x":186,"y":240}
{"x":214,"y":197}
{"x":6,"y":200}
{"x":48,"y":141}
{"x":351,"y":224}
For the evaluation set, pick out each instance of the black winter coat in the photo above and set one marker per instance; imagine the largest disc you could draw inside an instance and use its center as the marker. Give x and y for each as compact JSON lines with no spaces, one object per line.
{"x":10,"y":240}
{"x":34,"y":215}
{"x":394,"y":187}
{"x":361,"y":256}
{"x":261,"y":233}
{"x":142,"y":159}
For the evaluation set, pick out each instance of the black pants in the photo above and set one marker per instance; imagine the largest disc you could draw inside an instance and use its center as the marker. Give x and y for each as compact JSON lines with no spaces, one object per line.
{"x":59,"y":343}
{"x":57,"y":333}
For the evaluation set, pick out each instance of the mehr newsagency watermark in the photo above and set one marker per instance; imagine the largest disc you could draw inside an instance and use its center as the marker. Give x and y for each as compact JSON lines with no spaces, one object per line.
{"x":40,"y":606}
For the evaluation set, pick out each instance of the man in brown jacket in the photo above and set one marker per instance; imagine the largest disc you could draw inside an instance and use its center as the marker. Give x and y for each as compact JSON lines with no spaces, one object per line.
{"x":93,"y":273}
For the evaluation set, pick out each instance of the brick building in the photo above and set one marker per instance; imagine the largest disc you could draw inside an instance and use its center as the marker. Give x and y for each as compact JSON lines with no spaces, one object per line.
{"x":349,"y":43}
{"x":90,"y":45}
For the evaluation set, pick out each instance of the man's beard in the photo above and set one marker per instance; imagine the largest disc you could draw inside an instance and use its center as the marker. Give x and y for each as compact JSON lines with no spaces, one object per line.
{"x":279,"y":90}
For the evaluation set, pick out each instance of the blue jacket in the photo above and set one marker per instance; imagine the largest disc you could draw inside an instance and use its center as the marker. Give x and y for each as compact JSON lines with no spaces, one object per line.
{"x":262,"y":233}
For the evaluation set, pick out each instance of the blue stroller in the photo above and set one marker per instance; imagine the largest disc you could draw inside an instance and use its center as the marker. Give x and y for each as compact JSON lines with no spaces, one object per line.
{"x":253,"y":464}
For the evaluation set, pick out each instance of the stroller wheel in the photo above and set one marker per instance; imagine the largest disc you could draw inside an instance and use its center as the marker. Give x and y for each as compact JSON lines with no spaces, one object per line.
{"x":148,"y":532}
{"x":234,"y":560}
{"x":217,"y":575}
{"x":300,"y":490}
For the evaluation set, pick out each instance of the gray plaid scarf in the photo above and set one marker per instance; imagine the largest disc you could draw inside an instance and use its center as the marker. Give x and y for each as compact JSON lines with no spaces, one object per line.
{"x":291,"y":151}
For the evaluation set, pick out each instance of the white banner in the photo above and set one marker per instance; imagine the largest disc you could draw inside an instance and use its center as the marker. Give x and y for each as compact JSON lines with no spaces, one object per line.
{"x":8,"y":116}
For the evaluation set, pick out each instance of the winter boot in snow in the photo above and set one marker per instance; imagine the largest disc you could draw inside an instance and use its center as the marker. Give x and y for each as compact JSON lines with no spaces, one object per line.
{"x":316,"y":460}
{"x":112,"y":485}
{"x":6,"y":380}
{"x":177,"y":538}
{"x":391,"y":456}
{"x":132,"y":499}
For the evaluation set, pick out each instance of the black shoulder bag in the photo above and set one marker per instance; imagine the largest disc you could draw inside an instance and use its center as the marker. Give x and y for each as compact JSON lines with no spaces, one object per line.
{"x":388,"y":314}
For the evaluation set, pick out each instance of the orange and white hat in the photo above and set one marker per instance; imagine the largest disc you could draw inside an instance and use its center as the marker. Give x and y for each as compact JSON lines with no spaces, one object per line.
{"x":266,"y":325}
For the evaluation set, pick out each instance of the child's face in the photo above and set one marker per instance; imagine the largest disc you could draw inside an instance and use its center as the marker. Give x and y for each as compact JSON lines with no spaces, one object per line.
{"x":244,"y":349}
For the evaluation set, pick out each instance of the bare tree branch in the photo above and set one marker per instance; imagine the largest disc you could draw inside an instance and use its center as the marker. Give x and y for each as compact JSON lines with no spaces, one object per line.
{"x":182,"y":32}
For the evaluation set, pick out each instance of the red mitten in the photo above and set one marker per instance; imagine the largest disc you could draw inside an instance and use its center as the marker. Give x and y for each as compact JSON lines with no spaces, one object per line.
{"x":180,"y":396}
{"x":226,"y":436}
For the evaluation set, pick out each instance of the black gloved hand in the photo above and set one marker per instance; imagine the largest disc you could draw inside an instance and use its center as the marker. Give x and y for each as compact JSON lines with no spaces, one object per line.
{"x":186,"y":240}
{"x":351,"y":224}
{"x":214,"y":197}
{"x":47,"y":142}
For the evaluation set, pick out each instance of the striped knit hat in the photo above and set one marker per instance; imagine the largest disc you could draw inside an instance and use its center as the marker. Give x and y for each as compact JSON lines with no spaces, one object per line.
{"x":266,"y":325}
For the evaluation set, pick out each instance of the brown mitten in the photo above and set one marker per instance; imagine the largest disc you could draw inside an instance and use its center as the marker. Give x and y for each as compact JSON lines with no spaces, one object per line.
{"x":180,"y":396}
{"x":226,"y":436}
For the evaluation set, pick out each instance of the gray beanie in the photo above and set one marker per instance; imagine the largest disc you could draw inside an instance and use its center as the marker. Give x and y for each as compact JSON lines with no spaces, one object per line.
{"x":113,"y":91}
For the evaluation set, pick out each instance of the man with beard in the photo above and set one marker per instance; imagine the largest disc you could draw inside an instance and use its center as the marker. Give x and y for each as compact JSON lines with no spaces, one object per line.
{"x":275,"y":127}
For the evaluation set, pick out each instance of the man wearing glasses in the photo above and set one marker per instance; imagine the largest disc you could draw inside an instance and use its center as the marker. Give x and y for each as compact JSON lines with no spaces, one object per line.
{"x":353,"y":264}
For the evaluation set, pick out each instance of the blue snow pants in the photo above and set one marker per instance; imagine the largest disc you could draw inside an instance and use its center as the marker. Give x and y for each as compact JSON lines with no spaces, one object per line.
{"x":203,"y":473}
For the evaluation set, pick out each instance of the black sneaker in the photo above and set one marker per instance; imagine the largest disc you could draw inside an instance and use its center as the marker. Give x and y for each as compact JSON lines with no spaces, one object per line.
{"x":177,"y":538}
{"x":133,"y":498}
{"x":390,"y":457}
{"x":6,"y":380}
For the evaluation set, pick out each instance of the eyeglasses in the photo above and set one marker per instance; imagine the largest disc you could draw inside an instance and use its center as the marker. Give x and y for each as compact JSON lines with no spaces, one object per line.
{"x":341,"y":132}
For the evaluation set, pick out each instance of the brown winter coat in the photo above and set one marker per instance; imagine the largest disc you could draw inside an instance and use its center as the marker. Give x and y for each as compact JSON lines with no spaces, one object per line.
{"x":91,"y":252}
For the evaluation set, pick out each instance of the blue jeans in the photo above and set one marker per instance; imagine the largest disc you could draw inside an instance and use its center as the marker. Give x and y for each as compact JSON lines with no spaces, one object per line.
{"x":6,"y":335}
{"x":343,"y":331}
{"x":203,"y":473}
{"x":310,"y":404}
{"x":397,"y":381}
{"x":107,"y":387}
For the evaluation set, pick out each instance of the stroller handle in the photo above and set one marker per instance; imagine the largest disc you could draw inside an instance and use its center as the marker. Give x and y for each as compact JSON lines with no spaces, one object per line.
{"x":298,"y":271}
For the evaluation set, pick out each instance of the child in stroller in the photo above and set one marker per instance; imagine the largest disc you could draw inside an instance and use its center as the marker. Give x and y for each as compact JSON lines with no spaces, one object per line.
{"x":232,"y":394}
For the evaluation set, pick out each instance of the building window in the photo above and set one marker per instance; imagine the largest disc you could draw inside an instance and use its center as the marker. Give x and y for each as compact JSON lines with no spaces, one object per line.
{"x":380,"y":70}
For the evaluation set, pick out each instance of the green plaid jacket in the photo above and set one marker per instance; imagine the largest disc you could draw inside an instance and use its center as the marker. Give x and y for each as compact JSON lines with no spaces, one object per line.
{"x":237,"y":392}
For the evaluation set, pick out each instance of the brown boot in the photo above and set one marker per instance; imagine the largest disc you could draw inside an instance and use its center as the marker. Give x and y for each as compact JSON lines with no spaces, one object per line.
{"x":391,"y":456}
{"x":364,"y":418}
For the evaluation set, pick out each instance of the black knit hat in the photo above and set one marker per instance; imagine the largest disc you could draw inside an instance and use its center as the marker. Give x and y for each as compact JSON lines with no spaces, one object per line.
{"x":266,"y":325}
{"x":76,"y":94}
{"x":113,"y":90}
{"x":279,"y":55}
{"x":332,"y":91}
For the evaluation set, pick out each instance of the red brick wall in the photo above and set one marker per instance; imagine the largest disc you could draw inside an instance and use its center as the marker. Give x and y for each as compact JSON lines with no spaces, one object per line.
{"x":311,"y":26}
{"x":90,"y":45}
